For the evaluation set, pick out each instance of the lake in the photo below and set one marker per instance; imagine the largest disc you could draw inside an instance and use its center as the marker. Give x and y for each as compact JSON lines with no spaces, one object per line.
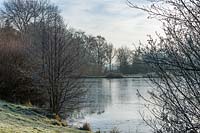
{"x":114,"y":103}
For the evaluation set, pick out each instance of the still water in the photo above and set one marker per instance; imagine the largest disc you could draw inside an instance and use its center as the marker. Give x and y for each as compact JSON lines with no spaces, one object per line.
{"x":114,"y":103}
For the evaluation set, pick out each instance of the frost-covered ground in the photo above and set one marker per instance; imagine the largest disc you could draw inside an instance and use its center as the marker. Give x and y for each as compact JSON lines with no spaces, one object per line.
{"x":19,"y":119}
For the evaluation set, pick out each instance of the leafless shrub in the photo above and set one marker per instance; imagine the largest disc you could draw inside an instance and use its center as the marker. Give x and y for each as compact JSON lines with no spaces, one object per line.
{"x":175,"y":59}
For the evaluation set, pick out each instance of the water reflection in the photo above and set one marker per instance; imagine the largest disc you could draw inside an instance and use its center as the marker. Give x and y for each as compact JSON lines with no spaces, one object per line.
{"x":99,"y":97}
{"x":114,"y":103}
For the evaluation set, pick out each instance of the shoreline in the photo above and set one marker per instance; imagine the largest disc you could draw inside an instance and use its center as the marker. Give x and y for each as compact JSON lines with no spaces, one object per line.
{"x":20,"y":118}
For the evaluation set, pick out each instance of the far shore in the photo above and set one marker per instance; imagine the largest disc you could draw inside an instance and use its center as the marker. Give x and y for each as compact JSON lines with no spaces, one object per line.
{"x":113,"y":77}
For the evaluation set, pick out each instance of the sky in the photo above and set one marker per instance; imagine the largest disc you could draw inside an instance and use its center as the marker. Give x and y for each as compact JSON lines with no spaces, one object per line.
{"x":112,"y":19}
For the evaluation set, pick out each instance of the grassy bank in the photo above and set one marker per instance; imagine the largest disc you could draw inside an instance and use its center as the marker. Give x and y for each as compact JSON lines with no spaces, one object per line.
{"x":19,"y":119}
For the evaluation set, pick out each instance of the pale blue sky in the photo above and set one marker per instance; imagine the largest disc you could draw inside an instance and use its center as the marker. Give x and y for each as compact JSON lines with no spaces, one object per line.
{"x":112,"y":19}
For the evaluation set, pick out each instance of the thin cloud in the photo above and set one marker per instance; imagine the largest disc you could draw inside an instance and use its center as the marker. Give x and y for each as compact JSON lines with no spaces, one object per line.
{"x":112,"y":19}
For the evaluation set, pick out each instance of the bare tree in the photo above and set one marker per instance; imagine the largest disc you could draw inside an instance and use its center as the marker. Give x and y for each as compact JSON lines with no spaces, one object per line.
{"x":22,"y":13}
{"x":60,"y":61}
{"x":100,"y":49}
{"x":123,"y":58}
{"x":138,"y":66}
{"x":110,"y":54}
{"x":97,"y":47}
{"x":175,"y":59}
